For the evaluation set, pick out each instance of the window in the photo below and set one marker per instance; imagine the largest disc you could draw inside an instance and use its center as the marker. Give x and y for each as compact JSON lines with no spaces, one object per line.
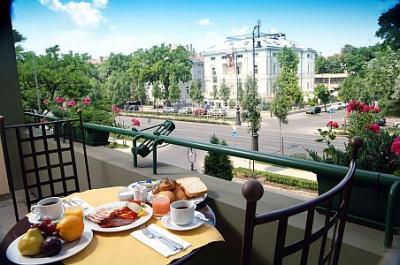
{"x":223,"y":57}
{"x":308,"y":85}
{"x":308,"y":69}
{"x":274,"y":69}
{"x":213,"y":72}
{"x":238,"y":70}
{"x":256,"y":54}
{"x":240,"y":56}
{"x":256,"y":69}
{"x":308,"y":55}
{"x":213,"y":58}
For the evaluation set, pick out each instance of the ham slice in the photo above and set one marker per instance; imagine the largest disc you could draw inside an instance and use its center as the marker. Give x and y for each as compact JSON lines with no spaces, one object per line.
{"x":116,"y":222}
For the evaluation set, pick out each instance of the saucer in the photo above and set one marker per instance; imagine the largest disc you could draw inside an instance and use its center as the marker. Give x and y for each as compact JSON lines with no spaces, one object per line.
{"x":196,"y":222}
{"x":35,"y":219}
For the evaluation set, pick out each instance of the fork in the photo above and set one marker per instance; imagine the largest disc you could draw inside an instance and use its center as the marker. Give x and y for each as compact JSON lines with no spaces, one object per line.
{"x":148,"y":234}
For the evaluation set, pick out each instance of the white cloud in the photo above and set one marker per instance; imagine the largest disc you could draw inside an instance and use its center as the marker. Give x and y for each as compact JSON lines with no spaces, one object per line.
{"x":240,"y":30}
{"x":205,"y":22}
{"x":84,"y":14}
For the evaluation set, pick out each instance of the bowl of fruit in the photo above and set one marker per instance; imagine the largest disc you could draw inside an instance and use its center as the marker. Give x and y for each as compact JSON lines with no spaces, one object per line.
{"x":47,"y":241}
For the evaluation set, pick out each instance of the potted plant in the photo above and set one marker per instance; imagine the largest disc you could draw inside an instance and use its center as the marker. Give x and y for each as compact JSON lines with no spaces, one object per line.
{"x":92,"y":112}
{"x":380,"y":153}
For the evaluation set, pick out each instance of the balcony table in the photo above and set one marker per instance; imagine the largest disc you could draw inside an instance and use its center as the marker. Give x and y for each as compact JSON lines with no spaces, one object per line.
{"x":21,"y":227}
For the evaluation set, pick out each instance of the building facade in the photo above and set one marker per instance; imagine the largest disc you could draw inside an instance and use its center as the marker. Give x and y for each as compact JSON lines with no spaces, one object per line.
{"x":221,"y":60}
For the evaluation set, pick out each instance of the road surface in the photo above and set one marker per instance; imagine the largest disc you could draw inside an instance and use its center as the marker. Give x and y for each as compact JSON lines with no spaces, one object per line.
{"x":298,"y":135}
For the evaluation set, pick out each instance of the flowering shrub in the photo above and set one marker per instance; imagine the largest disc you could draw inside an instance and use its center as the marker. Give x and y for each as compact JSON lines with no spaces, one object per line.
{"x":93,"y":113}
{"x":332,"y":124}
{"x":362,"y":117}
{"x":373,"y":127}
{"x":395,"y":148}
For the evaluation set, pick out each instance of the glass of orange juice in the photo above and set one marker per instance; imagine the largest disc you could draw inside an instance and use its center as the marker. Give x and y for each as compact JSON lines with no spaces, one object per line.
{"x":74,"y":210}
{"x":160,"y":205}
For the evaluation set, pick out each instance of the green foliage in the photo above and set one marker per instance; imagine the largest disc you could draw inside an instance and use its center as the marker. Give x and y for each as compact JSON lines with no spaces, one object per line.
{"x":280,"y":105}
{"x":288,"y":81}
{"x":217,"y":164}
{"x":156,"y":91}
{"x":224,"y":92}
{"x":215,"y":92}
{"x":251,"y":104}
{"x":174,"y":92}
{"x":196,"y":93}
{"x":389,"y":27}
{"x":288,"y":181}
{"x":18,"y":37}
{"x":322,"y":93}
{"x":330,"y":64}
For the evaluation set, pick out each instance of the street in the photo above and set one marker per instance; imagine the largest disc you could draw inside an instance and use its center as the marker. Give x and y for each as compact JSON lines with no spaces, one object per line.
{"x":298,"y":135}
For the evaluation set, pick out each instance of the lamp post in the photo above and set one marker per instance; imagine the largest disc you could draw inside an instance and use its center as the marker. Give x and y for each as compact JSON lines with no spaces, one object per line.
{"x":238,"y":122}
{"x":254,"y":135}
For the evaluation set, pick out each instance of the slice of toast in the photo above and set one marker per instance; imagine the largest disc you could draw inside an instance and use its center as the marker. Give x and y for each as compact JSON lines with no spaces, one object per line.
{"x":192,"y":186}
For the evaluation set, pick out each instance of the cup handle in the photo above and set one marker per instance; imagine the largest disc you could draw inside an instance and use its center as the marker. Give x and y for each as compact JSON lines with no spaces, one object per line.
{"x":35,"y":209}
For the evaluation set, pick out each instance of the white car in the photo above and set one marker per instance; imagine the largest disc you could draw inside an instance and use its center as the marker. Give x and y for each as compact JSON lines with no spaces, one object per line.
{"x":337,"y":106}
{"x":185,"y":110}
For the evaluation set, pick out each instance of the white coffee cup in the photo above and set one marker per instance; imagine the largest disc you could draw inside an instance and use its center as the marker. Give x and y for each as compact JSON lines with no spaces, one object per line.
{"x":51,"y":208}
{"x":182,"y":212}
{"x":139,"y":193}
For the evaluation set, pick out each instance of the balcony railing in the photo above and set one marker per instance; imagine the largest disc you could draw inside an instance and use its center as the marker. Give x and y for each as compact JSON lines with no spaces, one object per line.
{"x":361,"y":176}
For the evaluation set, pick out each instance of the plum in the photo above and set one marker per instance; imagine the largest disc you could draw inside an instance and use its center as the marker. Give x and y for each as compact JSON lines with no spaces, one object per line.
{"x":51,"y":246}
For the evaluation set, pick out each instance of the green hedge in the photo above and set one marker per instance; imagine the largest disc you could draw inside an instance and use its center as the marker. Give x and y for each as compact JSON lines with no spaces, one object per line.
{"x":276,"y":178}
{"x":181,"y":117}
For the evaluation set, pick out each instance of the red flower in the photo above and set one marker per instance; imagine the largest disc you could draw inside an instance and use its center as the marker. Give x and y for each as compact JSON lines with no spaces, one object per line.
{"x":115,"y":109}
{"x":86,"y":101}
{"x":135,"y":122}
{"x":374,"y":127}
{"x":396,"y":146}
{"x":71,"y":103}
{"x":353,"y":105}
{"x":59,"y":100}
{"x":366,"y":108}
{"x":375,"y":109}
{"x":332,"y":124}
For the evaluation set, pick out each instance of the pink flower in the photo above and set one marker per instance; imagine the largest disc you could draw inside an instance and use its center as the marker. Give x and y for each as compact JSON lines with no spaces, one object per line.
{"x":71,"y":103}
{"x":366,"y":108}
{"x":59,"y":100}
{"x":135,"y":122}
{"x":86,"y":101}
{"x":332,"y":124}
{"x":353,"y":105}
{"x":115,"y":109}
{"x":376,"y":109}
{"x":395,"y":148}
{"x":374,"y":127}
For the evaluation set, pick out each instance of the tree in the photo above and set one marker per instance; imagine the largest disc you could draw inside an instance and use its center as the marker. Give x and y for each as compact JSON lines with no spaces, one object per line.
{"x":224,"y":92}
{"x":196,"y":93}
{"x":330,"y":64}
{"x":174,"y":92}
{"x":389,"y":27}
{"x":118,"y":88}
{"x":217,"y":164}
{"x":288,"y":80}
{"x":18,"y":37}
{"x":156,"y":92}
{"x":322,"y":93}
{"x":215,"y":92}
{"x":251,"y":104}
{"x":280,"y":107}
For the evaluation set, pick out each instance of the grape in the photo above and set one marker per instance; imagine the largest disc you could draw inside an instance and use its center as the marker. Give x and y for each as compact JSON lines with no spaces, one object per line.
{"x":51,"y":227}
{"x":43,"y":226}
{"x":47,"y":221}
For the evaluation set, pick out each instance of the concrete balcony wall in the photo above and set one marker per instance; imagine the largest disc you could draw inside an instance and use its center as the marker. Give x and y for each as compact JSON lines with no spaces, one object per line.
{"x":112,"y":168}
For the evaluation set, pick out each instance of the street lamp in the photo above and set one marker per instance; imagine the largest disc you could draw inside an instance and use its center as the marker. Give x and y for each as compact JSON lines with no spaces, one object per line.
{"x":238,"y":122}
{"x":254,"y":135}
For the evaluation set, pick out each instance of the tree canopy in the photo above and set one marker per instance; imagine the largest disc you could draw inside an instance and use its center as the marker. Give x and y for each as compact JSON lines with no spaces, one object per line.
{"x":389,"y":27}
{"x":322,"y":93}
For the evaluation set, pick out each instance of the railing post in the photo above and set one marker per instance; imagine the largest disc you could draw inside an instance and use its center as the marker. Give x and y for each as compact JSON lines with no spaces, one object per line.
{"x":390,"y":214}
{"x":156,"y":142}
{"x":134,"y":150}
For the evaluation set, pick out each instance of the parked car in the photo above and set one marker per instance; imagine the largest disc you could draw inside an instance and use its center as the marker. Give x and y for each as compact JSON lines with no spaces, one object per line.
{"x":382,"y":122}
{"x":337,"y":106}
{"x":200,"y":111}
{"x":313,"y":110}
{"x":169,"y":110}
{"x":217,"y":112}
{"x":396,"y":124}
{"x":185,"y":110}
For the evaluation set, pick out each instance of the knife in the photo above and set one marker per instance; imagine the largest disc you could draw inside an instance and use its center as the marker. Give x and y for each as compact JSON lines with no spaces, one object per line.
{"x":158,"y":235}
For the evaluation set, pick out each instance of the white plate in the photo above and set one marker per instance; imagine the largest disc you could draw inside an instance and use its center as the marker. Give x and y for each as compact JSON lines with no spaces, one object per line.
{"x":34,"y":218}
{"x":167,"y":222}
{"x":114,"y":205}
{"x":68,"y":249}
{"x":195,"y":200}
{"x":147,"y":183}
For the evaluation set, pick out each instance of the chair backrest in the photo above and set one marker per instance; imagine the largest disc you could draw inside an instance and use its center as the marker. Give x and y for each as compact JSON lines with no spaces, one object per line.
{"x":46,"y":171}
{"x":335,"y":202}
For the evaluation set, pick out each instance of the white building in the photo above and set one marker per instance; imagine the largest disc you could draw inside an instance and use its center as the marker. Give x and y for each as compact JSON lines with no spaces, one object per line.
{"x":219,"y":63}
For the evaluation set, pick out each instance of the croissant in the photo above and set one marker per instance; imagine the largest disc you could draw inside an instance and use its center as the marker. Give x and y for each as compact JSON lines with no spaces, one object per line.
{"x":165,"y":185}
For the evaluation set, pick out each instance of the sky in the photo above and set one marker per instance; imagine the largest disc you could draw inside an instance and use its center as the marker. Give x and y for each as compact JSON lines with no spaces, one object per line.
{"x":98,"y":27}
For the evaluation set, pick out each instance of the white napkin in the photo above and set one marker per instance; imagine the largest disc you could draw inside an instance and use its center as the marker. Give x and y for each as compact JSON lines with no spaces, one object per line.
{"x":157,"y":244}
{"x":87,"y":208}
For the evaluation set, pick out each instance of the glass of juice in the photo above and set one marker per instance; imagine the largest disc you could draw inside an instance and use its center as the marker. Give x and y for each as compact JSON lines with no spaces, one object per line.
{"x":160,"y":205}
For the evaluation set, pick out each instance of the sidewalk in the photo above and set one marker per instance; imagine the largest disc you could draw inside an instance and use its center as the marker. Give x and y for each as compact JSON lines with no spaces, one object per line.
{"x":291,"y":172}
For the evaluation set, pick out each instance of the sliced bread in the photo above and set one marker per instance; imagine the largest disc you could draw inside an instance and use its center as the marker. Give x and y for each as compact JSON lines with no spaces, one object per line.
{"x":192,"y":186}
